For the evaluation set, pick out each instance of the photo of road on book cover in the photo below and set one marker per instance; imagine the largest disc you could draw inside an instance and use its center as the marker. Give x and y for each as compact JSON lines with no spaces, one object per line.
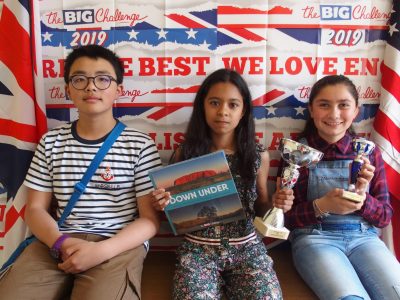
{"x":203,"y":193}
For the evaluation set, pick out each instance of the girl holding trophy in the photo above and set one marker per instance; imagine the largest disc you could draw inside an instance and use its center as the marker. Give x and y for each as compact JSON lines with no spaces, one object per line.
{"x":228,"y":257}
{"x":335,"y":238}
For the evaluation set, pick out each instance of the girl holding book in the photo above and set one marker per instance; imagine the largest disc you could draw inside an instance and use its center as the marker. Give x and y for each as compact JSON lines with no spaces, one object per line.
{"x":335,"y":241}
{"x":229,"y":257}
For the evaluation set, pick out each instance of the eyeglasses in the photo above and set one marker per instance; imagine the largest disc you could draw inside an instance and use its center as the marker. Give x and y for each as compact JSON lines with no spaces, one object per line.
{"x":102,"y":82}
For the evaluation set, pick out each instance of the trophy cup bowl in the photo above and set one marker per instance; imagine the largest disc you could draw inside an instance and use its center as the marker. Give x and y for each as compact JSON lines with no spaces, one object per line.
{"x":296,"y":155}
{"x":362,"y":147}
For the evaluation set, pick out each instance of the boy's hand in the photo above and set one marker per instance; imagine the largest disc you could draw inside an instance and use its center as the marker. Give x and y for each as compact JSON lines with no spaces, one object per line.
{"x":283,"y":198}
{"x":160,"y":199}
{"x":68,"y":243}
{"x":82,"y":256}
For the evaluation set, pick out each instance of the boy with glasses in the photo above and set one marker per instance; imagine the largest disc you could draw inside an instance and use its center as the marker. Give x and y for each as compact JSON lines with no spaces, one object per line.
{"x":98,"y":252}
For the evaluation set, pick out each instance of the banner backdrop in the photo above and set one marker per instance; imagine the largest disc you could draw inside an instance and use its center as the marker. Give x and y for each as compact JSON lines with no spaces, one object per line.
{"x":168,"y":47}
{"x":386,"y":131}
{"x":22,"y":113}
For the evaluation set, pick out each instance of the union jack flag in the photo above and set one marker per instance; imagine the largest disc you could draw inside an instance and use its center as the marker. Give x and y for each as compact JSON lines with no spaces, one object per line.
{"x":387,"y":125}
{"x":22,"y":116}
{"x":209,"y":28}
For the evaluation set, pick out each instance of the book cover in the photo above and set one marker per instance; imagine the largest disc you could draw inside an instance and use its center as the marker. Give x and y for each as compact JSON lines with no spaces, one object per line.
{"x":203,"y":193}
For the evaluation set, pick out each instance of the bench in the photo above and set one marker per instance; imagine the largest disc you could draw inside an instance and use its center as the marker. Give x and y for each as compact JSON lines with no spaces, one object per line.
{"x":159,"y":268}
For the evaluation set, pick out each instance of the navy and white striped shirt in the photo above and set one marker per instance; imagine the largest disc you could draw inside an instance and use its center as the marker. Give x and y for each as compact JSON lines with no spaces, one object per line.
{"x":109,"y":201}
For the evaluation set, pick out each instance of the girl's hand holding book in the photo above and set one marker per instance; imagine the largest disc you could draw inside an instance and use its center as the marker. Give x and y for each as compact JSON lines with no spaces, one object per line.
{"x":160,"y":199}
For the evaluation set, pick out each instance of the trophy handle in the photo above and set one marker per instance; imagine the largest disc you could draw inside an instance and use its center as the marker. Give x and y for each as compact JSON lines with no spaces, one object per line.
{"x":289,"y":176}
{"x":356,"y":165}
{"x":362,"y":147}
{"x":274,"y":217}
{"x":296,"y":155}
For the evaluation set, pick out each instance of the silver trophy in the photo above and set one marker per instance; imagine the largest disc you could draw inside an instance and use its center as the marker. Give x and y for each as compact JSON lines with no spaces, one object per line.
{"x":362,"y":147}
{"x":296,"y":155}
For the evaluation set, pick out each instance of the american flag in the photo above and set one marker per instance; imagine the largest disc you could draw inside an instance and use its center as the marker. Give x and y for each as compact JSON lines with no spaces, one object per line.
{"x":206,"y":29}
{"x":22,"y":116}
{"x":386,"y":131}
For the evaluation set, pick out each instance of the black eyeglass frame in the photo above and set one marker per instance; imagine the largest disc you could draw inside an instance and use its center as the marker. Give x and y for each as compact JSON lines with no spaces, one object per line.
{"x":94,"y":81}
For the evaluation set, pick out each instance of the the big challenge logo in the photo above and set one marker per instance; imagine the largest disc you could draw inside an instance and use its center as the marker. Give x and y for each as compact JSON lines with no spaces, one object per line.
{"x":101,"y":15}
{"x":347,"y":12}
{"x":335,"y":12}
{"x":78,"y":16}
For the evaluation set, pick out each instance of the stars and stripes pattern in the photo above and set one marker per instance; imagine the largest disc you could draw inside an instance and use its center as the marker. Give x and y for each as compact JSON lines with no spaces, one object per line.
{"x":22,"y":113}
{"x":208,"y":29}
{"x":386,"y":131}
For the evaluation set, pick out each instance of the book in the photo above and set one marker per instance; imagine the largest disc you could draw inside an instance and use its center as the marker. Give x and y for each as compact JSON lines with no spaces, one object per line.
{"x":202,"y":190}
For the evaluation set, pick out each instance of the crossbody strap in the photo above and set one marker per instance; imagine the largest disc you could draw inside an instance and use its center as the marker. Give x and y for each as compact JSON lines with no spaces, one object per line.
{"x":78,"y":190}
{"x":81,"y":185}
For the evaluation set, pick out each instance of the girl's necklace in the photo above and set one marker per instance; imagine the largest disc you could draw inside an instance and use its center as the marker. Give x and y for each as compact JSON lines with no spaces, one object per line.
{"x":226,"y":150}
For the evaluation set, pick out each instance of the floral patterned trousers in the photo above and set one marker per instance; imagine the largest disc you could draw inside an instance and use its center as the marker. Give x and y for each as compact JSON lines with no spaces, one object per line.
{"x":241,"y":271}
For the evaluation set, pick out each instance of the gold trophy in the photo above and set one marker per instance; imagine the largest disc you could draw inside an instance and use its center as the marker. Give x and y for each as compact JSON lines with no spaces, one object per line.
{"x":362,"y":147}
{"x":296,"y":155}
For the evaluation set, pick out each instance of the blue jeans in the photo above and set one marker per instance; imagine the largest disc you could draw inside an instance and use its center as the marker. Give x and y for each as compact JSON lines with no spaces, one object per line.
{"x":343,"y":258}
{"x":336,"y":264}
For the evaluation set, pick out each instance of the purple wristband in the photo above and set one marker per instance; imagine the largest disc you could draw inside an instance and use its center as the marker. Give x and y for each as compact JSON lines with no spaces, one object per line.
{"x":55,"y":250}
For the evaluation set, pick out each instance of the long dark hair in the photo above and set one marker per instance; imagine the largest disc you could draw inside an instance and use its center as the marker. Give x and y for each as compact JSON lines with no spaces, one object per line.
{"x":316,"y":89}
{"x":198,"y":139}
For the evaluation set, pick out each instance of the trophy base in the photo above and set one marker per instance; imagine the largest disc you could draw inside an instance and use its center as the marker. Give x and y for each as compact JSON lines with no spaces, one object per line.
{"x":270,"y":231}
{"x":352,"y":196}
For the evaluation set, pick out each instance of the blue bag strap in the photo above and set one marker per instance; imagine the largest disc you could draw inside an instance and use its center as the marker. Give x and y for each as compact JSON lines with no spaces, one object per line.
{"x":17,"y":252}
{"x":81,"y":186}
{"x":78,"y":191}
